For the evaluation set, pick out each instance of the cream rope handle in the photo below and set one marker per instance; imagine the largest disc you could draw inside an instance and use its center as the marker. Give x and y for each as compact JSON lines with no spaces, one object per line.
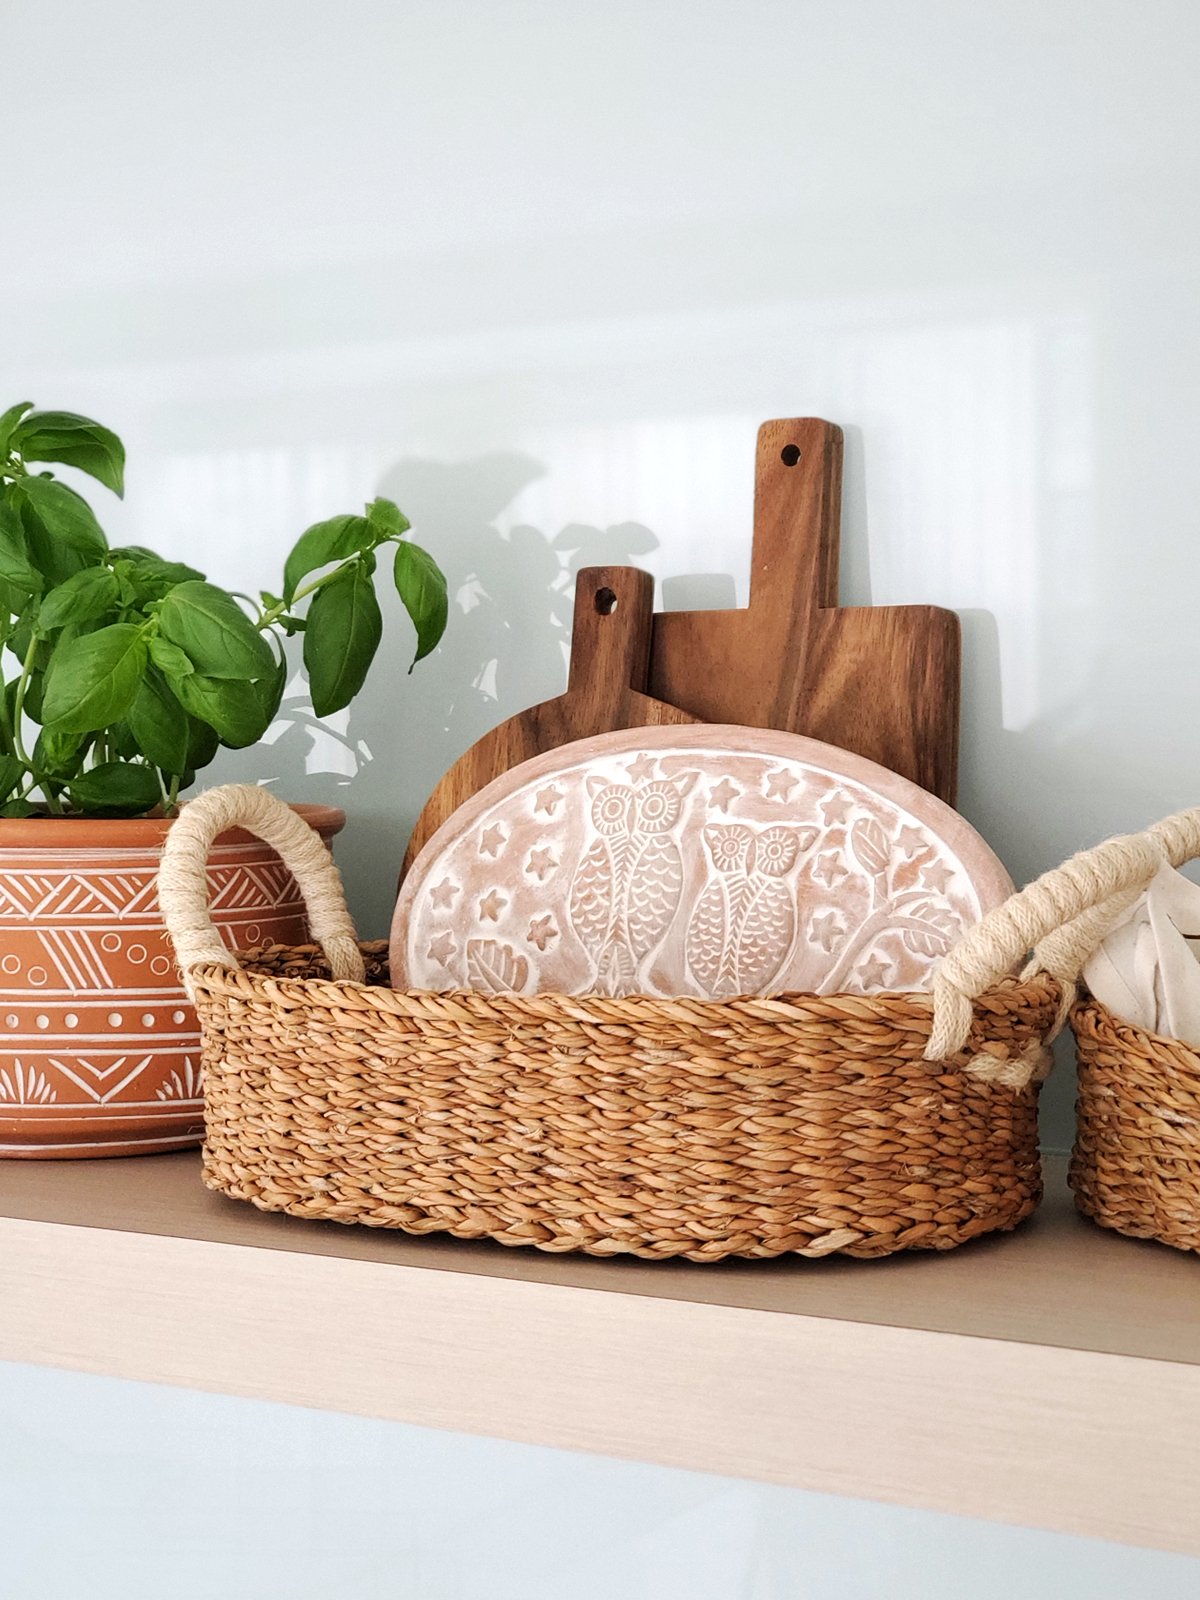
{"x":1064,"y":952}
{"x":183,"y":878}
{"x":1061,"y":916}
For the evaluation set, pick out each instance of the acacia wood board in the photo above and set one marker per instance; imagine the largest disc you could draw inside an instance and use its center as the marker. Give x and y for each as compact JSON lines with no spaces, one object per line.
{"x":606,"y":683}
{"x":881,"y":681}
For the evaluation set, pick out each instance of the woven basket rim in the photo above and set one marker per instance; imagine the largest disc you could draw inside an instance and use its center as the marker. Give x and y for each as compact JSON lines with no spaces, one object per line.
{"x":914,"y":1007}
{"x":1087,"y":1001}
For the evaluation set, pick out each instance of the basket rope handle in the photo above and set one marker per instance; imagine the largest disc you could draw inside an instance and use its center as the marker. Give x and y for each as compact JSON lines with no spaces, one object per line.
{"x":183,"y":878}
{"x":1061,"y":917}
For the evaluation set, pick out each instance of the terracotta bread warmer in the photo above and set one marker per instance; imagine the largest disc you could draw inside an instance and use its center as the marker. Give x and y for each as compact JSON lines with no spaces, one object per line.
{"x":656,"y":1127}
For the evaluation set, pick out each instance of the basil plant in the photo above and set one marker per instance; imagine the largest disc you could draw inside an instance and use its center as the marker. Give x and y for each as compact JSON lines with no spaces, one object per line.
{"x":123,"y":673}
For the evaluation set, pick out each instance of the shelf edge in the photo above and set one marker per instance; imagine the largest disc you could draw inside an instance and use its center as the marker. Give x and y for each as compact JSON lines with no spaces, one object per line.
{"x":1071,"y":1440}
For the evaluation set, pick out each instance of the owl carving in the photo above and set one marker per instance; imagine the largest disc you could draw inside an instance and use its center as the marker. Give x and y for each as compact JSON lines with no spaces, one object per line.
{"x":629,"y":880}
{"x":743,"y":926}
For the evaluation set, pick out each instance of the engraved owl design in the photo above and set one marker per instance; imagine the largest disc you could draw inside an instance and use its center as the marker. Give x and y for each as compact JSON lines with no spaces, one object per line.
{"x":627,"y":886}
{"x":742,"y":928}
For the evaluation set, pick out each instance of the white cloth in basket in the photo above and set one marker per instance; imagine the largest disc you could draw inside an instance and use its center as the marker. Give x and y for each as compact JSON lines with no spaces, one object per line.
{"x":1147,"y":969}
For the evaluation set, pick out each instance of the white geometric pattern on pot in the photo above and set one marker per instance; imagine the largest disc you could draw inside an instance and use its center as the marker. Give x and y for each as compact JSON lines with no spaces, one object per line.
{"x":702,"y":861}
{"x":91,"y":1005}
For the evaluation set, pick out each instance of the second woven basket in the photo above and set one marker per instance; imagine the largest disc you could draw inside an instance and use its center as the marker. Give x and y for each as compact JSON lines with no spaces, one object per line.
{"x":861,"y":1124}
{"x":1136,"y":1163}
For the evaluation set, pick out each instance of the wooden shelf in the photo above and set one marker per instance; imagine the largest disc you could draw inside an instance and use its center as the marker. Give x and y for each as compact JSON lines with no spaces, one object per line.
{"x":1050,"y":1377}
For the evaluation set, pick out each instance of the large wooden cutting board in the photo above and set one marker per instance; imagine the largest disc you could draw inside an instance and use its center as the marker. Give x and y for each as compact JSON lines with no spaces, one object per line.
{"x":606,"y":682}
{"x":881,"y":681}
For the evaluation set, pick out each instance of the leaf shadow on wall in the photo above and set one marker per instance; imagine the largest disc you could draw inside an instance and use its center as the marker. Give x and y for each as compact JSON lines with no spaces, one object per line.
{"x":505,"y":648}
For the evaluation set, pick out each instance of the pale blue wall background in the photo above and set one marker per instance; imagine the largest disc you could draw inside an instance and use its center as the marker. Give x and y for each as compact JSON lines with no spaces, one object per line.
{"x":538,"y":270}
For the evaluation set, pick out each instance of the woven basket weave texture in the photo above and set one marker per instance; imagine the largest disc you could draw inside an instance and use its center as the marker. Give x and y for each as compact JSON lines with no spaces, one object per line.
{"x":1136,"y":1163}
{"x":640,"y":1126}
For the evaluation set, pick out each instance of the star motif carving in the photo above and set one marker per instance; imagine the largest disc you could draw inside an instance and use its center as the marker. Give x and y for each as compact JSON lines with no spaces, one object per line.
{"x":830,"y":868}
{"x":491,"y":840}
{"x":547,"y":800}
{"x":836,"y":809}
{"x":827,"y":929}
{"x":641,"y":768}
{"x":936,"y":875}
{"x":541,"y":864}
{"x":541,"y":931}
{"x":724,"y":794}
{"x":910,"y":840}
{"x":441,"y":949}
{"x":441,"y":896}
{"x":780,"y":784}
{"x":492,"y":905}
{"x":873,"y":974}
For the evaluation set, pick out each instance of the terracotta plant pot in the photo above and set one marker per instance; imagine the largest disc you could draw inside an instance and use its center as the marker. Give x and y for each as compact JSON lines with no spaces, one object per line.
{"x":99,"y":1048}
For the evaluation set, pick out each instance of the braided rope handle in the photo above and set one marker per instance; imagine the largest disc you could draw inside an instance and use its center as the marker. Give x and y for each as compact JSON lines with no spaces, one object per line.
{"x":183,"y":878}
{"x":1062,"y":916}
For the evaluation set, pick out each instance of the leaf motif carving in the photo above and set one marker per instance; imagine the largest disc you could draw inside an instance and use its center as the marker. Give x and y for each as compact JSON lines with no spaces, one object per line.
{"x":871,"y":845}
{"x":495,"y":968}
{"x":933,"y":937}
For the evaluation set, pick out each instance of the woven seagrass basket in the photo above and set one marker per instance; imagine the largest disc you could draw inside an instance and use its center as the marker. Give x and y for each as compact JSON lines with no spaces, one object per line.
{"x":1136,"y":1163}
{"x":642,"y":1126}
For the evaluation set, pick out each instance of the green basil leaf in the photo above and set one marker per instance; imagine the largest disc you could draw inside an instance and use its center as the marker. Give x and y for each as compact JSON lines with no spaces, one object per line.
{"x":270,"y":692}
{"x":116,"y":789}
{"x":343,"y":633}
{"x":170,"y":659}
{"x":35,"y":694}
{"x":151,"y":576}
{"x":8,"y":422}
{"x":387,"y":516}
{"x":17,"y":808}
{"x":231,"y":706}
{"x":92,"y":680}
{"x":21,"y":641}
{"x":59,"y":755}
{"x":83,"y":598}
{"x":421,"y":584}
{"x":15,"y":569}
{"x":11,"y":773}
{"x":322,"y":543}
{"x":203,"y":743}
{"x":66,"y":516}
{"x":53,"y":558}
{"x":122,"y":746}
{"x":74,"y":441}
{"x":214,"y":632}
{"x":159,"y":724}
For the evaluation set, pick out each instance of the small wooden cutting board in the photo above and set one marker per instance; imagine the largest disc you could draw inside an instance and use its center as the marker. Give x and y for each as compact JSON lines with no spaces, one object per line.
{"x":881,"y":681}
{"x":606,"y":682}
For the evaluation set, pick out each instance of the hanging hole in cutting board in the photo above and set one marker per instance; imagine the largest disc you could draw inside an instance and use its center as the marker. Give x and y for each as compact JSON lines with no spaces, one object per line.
{"x":790,"y":454}
{"x":606,"y":602}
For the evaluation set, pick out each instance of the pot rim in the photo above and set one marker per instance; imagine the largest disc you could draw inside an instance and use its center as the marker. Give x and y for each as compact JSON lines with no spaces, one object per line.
{"x":131,"y":833}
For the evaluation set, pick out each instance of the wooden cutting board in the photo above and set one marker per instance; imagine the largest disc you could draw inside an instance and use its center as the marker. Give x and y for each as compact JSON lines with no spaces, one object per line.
{"x":881,"y":681}
{"x":606,"y":682}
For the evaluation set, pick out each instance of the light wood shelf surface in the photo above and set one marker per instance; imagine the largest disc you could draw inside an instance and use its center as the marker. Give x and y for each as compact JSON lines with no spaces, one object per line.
{"x":1050,"y":1377}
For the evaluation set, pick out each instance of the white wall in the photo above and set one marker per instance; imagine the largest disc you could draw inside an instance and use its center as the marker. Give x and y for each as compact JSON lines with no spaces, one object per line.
{"x":534,"y":267}
{"x":120,"y":1491}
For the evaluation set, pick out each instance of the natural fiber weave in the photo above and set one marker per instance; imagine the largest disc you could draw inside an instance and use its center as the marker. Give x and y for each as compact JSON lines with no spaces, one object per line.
{"x":1136,"y":1163}
{"x":640,"y":1126}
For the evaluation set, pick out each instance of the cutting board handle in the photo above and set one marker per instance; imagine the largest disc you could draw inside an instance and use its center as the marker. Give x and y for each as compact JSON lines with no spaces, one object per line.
{"x":610,"y":644}
{"x":797,"y":505}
